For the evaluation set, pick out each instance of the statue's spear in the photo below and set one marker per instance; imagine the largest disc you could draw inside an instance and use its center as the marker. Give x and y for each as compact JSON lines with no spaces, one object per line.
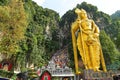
{"x":82,"y":42}
{"x":74,"y":41}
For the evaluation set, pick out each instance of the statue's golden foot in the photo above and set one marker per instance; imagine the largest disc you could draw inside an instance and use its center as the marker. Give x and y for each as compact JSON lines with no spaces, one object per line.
{"x":78,"y":72}
{"x":98,"y":70}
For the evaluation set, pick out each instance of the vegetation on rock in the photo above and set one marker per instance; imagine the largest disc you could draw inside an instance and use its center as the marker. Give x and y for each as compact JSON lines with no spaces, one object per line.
{"x":32,"y":34}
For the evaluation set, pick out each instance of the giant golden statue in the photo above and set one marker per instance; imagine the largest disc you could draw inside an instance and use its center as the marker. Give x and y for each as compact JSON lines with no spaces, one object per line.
{"x":85,"y":38}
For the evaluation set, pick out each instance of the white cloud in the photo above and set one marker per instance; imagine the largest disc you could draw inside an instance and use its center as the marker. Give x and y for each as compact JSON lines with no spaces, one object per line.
{"x":39,"y":2}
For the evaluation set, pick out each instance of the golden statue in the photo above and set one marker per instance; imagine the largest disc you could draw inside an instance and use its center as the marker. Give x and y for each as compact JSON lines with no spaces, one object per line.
{"x":87,"y":42}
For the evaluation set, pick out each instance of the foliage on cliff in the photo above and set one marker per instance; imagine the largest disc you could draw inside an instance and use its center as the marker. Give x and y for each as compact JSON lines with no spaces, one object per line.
{"x":13,"y":23}
{"x":39,"y":32}
{"x":41,"y":35}
{"x":30,"y":30}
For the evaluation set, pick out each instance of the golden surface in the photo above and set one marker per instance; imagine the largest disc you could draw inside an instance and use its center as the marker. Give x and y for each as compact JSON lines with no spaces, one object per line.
{"x":87,"y":42}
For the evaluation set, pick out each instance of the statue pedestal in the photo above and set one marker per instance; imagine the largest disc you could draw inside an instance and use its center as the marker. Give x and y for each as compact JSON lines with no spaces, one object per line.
{"x":91,"y":75}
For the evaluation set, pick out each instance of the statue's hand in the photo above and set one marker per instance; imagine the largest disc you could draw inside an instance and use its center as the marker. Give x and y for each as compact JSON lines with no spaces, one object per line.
{"x":91,"y":40}
{"x":95,"y":35}
{"x":78,"y":21}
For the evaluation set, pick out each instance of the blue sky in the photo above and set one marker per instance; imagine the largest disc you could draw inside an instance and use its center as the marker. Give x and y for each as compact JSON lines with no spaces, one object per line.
{"x":61,"y":6}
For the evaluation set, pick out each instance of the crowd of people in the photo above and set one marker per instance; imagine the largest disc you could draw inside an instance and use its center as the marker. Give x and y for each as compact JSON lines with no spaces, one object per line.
{"x":60,"y":58}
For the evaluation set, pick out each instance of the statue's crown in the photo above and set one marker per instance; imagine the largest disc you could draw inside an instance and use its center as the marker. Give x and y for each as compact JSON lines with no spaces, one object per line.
{"x":83,"y":11}
{"x":78,"y":11}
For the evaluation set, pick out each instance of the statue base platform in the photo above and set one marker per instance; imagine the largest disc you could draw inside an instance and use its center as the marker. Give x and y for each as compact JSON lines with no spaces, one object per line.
{"x":92,"y":75}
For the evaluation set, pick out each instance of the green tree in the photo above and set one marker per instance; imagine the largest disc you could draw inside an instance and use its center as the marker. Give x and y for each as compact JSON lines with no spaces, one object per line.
{"x":113,"y":31}
{"x":4,"y":2}
{"x":109,"y":50}
{"x":13,"y":23}
{"x":117,"y":41}
{"x":116,"y":15}
{"x":39,"y":43}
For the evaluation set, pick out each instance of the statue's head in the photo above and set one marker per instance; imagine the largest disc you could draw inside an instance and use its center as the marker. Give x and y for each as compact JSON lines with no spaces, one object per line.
{"x":81,"y":13}
{"x":78,"y":11}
